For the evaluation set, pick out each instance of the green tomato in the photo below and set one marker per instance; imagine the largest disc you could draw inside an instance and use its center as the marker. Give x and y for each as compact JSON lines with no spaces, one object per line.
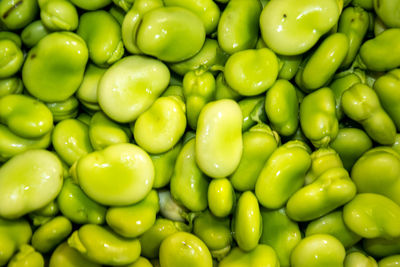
{"x":67,"y":256}
{"x":262,"y":255}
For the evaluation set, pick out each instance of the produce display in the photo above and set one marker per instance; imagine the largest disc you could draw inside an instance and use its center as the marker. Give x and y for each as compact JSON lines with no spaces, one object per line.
{"x":185,"y":133}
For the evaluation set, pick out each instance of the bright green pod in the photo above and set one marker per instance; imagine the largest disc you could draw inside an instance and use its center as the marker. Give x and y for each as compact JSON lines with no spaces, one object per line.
{"x":102,"y":34}
{"x":258,"y":144}
{"x":67,"y":256}
{"x":12,"y":58}
{"x":262,"y":255}
{"x":378,"y":171}
{"x":381,"y":53}
{"x":365,"y":4}
{"x":125,"y":5}
{"x":396,"y":145}
{"x":318,"y":117}
{"x":59,"y":15}
{"x":24,"y":178}
{"x":63,"y":110}
{"x":188,"y":183}
{"x":183,"y":249}
{"x":25,"y":116}
{"x":160,"y":128}
{"x":13,"y":234}
{"x":361,"y":103}
{"x":288,"y":66}
{"x":118,"y":13}
{"x":390,"y":261}
{"x":170,"y":208}
{"x":324,"y":62}
{"x":381,"y":247}
{"x":26,"y":257}
{"x":354,"y":23}
{"x":333,"y":224}
{"x":379,"y":27}
{"x":371,"y":216}
{"x":152,"y":238}
{"x":250,"y":107}
{"x":71,"y":140}
{"x":174,"y":45}
{"x":91,"y":5}
{"x":283,"y":174}
{"x":33,"y":33}
{"x":164,"y":165}
{"x":104,"y":132}
{"x":50,"y":234}
{"x":103,"y":246}
{"x":209,"y":58}
{"x":75,"y":205}
{"x":198,"y":89}
{"x":350,"y":144}
{"x":6,"y":35}
{"x":214,"y":232}
{"x":87,"y":91}
{"x":221,"y":197}
{"x":247,"y":225}
{"x":207,"y":10}
{"x":338,"y":86}
{"x":358,"y":259}
{"x":291,"y":27}
{"x":282,"y":107}
{"x":330,"y":190}
{"x":50,"y":210}
{"x":128,"y":87}
{"x":61,"y":57}
{"x":322,"y":159}
{"x":96,"y":174}
{"x":133,"y":220}
{"x":386,"y":87}
{"x":84,"y":117}
{"x":318,"y":250}
{"x":387,"y":11}
{"x":223,"y":90}
{"x":281,"y":233}
{"x":251,"y":72}
{"x":11,"y":85}
{"x":238,"y":25}
{"x":141,"y":262}
{"x":16,"y":15}
{"x":219,"y":138}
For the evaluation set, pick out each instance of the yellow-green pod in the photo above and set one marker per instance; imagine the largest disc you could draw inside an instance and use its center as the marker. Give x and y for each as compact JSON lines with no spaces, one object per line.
{"x":63,"y":110}
{"x":87,"y":91}
{"x":250,"y":106}
{"x":16,"y":15}
{"x":387,"y":11}
{"x":318,"y":250}
{"x":379,"y":27}
{"x":59,"y":15}
{"x":223,"y":90}
{"x":262,"y":255}
{"x":132,"y":221}
{"x":103,"y":246}
{"x":371,"y":216}
{"x":258,"y":145}
{"x":282,"y":107}
{"x":396,"y":145}
{"x":318,"y":117}
{"x":330,"y":190}
{"x":381,"y":247}
{"x":141,"y":262}
{"x":12,"y":36}
{"x":221,"y":197}
{"x":390,"y":261}
{"x":358,"y":259}
{"x":33,"y":33}
{"x":283,"y":174}
{"x":66,"y":256}
{"x":26,"y":257}
{"x":11,"y":85}
{"x":219,"y":138}
{"x":247,"y":225}
{"x":238,"y":25}
{"x":71,"y":140}
{"x":24,"y":178}
{"x":324,"y":62}
{"x":12,"y":58}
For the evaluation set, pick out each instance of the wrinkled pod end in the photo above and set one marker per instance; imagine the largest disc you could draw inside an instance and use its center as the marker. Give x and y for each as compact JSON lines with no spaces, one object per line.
{"x":221,"y":253}
{"x":117,"y":54}
{"x":75,"y":242}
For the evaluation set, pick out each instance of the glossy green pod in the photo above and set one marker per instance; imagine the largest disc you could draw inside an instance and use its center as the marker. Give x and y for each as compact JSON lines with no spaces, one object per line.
{"x":387,"y":11}
{"x":333,"y":224}
{"x":63,"y":70}
{"x":12,"y":58}
{"x":87,"y":91}
{"x":132,"y":221}
{"x":96,"y":174}
{"x":281,"y":233}
{"x":381,"y":247}
{"x":221,"y":197}
{"x":103,"y":246}
{"x":238,"y":25}
{"x":258,"y":145}
{"x":358,"y":259}
{"x":183,"y":249}
{"x":77,"y":206}
{"x":318,"y":250}
{"x":361,"y":103}
{"x":371,"y":216}
{"x":16,"y":15}
{"x":66,"y":256}
{"x":33,"y":33}
{"x":248,"y":106}
{"x":11,"y":85}
{"x":24,"y":178}
{"x":366,"y":4}
{"x":396,"y":145}
{"x":318,"y":117}
{"x":188,"y":183}
{"x":63,"y":110}
{"x":283,"y":174}
{"x":164,"y":165}
{"x":247,"y":225}
{"x":104,"y":49}
{"x":59,"y":15}
{"x":26,"y":256}
{"x":330,"y":190}
{"x":262,"y":255}
{"x":223,"y":90}
{"x":282,"y":107}
{"x":8,"y":35}
{"x":91,"y":5}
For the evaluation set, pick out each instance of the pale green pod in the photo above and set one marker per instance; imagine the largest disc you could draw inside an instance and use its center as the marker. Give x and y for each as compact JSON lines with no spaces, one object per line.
{"x":63,"y":110}
{"x":24,"y":178}
{"x":219,"y":138}
{"x":12,"y":58}
{"x":7,"y":35}
{"x":381,"y":247}
{"x":391,"y":261}
{"x":59,"y":15}
{"x":87,"y":91}
{"x":164,"y":165}
{"x":221,"y":197}
{"x":66,"y":256}
{"x":358,"y":259}
{"x":91,"y":5}
{"x":262,"y":255}
{"x":11,"y":85}
{"x":103,"y":246}
{"x":27,"y":257}
{"x":71,"y":140}
{"x":33,"y":33}
{"x":15,"y":15}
